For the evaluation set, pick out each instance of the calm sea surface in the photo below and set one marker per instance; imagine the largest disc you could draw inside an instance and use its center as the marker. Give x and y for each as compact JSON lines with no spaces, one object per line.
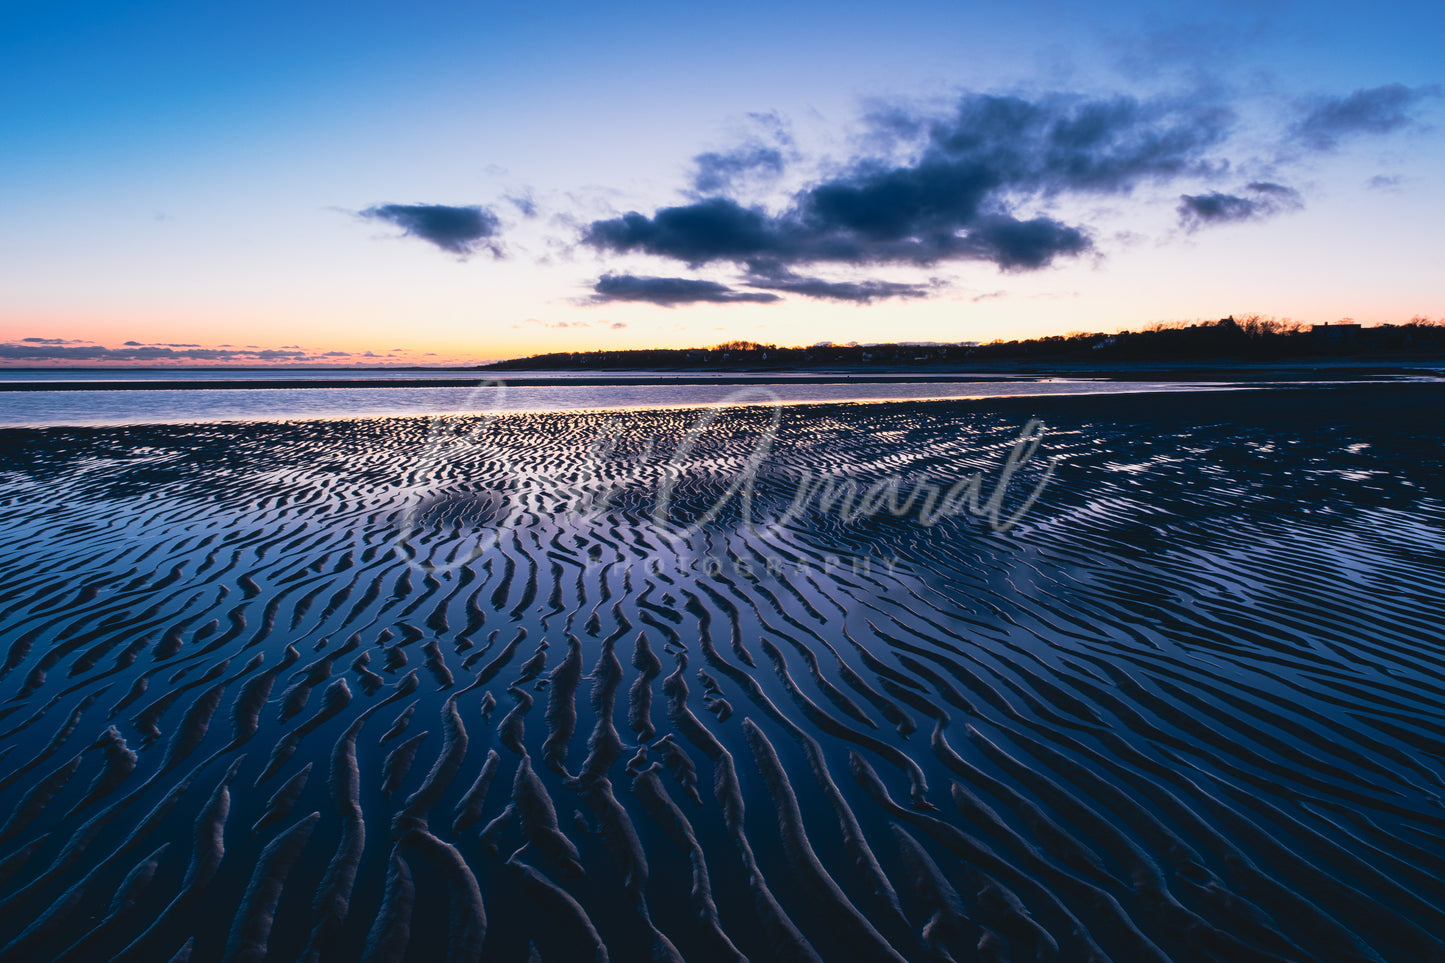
{"x":146,"y":406}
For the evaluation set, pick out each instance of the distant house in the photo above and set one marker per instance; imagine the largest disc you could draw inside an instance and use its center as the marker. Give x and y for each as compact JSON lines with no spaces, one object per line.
{"x":1340,"y":333}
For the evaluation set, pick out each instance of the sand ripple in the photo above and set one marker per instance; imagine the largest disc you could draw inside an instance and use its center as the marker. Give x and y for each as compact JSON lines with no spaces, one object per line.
{"x":1189,"y":708}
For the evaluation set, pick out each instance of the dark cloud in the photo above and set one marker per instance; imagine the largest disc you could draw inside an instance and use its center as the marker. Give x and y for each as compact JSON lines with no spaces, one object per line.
{"x":849,"y":225}
{"x":1200,"y":210}
{"x":777,"y":278}
{"x":669,"y":292}
{"x":960,"y":197}
{"x":618,"y":324}
{"x":1022,"y":245}
{"x":1383,"y":182}
{"x":1195,"y":209}
{"x":1273,"y":190}
{"x":63,"y":350}
{"x":458,"y":230}
{"x":1377,"y":110}
{"x":55,"y":349}
{"x":762,"y":156}
{"x":719,"y":172}
{"x":710,"y":230}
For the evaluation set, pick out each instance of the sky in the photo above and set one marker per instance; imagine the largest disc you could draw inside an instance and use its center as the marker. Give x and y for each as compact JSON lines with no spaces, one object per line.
{"x":443,"y":183}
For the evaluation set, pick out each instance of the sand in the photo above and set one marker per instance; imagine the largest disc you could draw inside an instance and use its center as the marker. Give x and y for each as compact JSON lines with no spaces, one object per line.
{"x":1186,"y":706}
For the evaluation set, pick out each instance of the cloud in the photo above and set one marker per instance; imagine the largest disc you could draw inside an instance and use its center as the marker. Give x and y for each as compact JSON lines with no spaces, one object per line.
{"x":962,"y":195}
{"x":618,"y":324}
{"x":988,"y":296}
{"x":523,"y":202}
{"x":458,"y":230}
{"x":1201,"y":210}
{"x":669,"y":292}
{"x":762,"y":156}
{"x":57,"y":349}
{"x":1273,"y":190}
{"x":61,"y":351}
{"x":849,"y":225}
{"x":1377,"y":110}
{"x":716,"y":173}
{"x":1214,"y":206}
{"x":777,"y":278}
{"x":1383,"y":182}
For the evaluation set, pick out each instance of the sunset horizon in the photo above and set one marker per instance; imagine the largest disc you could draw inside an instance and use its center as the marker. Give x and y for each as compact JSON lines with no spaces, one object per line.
{"x":47,"y":353}
{"x":432,"y":186}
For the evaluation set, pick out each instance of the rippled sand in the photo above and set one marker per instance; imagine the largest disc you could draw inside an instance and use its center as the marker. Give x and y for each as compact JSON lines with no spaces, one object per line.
{"x":403,"y":689}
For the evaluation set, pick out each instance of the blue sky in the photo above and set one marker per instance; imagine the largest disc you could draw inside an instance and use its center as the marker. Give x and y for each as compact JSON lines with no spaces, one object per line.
{"x":452,"y":182}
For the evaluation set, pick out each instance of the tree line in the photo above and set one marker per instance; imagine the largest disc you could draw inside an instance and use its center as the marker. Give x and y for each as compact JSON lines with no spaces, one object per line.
{"x":1248,"y":338}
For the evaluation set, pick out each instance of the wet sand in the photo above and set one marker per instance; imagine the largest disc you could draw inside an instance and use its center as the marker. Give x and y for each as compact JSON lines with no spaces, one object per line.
{"x":403,"y":688}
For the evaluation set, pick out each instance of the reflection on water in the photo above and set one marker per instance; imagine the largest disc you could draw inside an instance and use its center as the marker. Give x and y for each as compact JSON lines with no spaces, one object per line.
{"x":376,"y":690}
{"x":269,"y":404}
{"x":369,"y":689}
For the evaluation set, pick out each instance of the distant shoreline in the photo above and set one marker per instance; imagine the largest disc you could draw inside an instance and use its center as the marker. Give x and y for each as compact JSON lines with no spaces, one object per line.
{"x":742,"y":376}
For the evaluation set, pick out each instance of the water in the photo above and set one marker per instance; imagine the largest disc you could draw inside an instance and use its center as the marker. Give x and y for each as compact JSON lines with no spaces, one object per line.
{"x":67,"y":375}
{"x":170,"y":406}
{"x":71,"y":375}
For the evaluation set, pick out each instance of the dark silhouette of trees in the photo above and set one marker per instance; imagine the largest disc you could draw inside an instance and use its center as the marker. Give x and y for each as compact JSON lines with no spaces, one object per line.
{"x":1248,"y":338}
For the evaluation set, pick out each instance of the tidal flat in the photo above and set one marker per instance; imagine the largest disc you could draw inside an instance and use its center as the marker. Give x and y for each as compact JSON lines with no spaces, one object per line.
{"x":1165,"y":683}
